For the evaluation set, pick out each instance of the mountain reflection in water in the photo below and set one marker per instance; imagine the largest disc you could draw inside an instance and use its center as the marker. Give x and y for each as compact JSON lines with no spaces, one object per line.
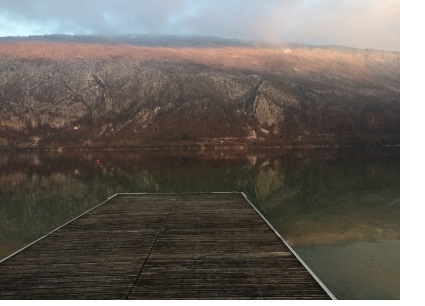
{"x":339,"y":209}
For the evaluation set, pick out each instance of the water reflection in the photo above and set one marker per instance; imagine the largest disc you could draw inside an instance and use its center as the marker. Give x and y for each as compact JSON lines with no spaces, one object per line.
{"x":325,"y":203}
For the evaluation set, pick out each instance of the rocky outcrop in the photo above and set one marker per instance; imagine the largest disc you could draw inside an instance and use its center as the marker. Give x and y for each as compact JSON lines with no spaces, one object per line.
{"x":85,"y":95}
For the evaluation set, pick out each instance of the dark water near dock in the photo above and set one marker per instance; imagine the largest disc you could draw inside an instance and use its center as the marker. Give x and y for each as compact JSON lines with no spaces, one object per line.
{"x":339,"y":209}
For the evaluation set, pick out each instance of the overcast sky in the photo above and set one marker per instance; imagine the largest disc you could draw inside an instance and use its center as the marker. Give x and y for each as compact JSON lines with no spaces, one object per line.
{"x":355,"y":23}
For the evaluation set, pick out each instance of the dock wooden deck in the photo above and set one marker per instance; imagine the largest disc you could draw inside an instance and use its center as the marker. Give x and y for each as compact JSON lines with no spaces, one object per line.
{"x":161,"y":246}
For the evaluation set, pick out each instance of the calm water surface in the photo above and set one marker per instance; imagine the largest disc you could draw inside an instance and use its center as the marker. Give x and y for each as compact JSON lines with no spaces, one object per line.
{"x":339,"y":209}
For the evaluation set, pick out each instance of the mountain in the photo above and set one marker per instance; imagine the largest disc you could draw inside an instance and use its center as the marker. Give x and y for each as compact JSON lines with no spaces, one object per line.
{"x":136,"y":40}
{"x":105,"y":92}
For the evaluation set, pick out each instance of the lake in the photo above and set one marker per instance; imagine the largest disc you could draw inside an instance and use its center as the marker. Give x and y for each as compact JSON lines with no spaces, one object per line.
{"x":339,"y":209}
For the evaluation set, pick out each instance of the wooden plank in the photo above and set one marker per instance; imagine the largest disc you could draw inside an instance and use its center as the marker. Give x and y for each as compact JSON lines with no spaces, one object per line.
{"x":162,"y":246}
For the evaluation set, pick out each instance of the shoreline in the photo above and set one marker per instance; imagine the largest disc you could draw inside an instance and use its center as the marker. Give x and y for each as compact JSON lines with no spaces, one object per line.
{"x":195,"y":147}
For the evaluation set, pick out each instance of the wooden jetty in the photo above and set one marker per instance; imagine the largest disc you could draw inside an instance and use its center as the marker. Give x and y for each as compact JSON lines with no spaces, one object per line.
{"x":162,"y":246}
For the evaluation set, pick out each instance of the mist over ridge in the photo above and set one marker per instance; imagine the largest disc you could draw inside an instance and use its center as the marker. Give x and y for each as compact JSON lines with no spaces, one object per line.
{"x":355,"y":23}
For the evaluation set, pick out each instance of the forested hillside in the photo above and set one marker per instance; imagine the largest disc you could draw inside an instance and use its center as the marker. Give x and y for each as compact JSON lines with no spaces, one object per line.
{"x":87,"y":94}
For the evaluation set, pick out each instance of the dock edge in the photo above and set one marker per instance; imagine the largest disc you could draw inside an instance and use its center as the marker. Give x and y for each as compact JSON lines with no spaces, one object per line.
{"x":292,"y":250}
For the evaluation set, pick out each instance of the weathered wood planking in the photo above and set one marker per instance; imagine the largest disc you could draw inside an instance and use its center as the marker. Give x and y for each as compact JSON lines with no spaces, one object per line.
{"x":161,"y":246}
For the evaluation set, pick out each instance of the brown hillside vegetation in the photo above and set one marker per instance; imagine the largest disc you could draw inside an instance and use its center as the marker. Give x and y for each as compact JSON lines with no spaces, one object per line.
{"x":339,"y":61}
{"x":64,"y":94}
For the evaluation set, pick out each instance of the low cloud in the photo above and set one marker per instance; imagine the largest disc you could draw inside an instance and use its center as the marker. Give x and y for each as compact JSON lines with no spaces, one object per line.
{"x":355,"y":23}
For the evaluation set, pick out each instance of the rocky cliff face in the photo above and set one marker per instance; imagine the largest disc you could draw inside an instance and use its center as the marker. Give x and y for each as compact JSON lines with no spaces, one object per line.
{"x":91,"y":95}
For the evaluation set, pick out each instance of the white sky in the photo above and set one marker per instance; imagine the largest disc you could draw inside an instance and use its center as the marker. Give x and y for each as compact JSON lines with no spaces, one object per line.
{"x":354,"y":23}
